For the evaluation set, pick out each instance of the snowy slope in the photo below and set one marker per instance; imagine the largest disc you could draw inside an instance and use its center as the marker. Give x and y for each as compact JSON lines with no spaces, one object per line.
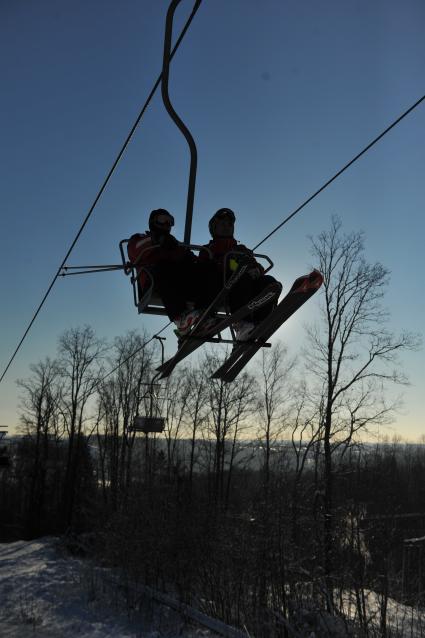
{"x":47,"y":594}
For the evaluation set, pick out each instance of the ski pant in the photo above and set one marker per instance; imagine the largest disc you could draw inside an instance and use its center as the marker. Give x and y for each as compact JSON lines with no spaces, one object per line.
{"x":186,"y":281}
{"x":246,"y":289}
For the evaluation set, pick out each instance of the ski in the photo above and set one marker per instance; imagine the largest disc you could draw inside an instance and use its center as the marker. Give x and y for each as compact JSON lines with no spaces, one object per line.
{"x":302,"y":289}
{"x":197,"y":338}
{"x":186,"y":345}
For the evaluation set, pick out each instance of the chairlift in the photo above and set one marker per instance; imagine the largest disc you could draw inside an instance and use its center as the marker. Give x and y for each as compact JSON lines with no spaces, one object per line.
{"x":152,"y":423}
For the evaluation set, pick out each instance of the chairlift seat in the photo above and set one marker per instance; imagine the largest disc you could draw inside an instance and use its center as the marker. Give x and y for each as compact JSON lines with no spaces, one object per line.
{"x":149,"y":301}
{"x":148,"y":424}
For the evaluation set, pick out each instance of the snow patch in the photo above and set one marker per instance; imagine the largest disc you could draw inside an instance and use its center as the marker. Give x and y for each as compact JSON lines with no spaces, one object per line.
{"x":47,"y":594}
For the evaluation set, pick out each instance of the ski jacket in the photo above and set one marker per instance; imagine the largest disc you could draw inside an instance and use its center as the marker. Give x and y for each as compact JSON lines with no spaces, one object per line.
{"x":143,"y":252}
{"x":218,"y":248}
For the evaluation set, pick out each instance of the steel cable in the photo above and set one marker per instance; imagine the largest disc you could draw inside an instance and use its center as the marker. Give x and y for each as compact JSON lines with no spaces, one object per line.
{"x":322,"y":188}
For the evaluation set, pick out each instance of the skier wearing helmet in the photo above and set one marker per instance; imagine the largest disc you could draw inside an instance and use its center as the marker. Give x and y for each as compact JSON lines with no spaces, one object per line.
{"x":225,"y":252}
{"x":184,"y":284}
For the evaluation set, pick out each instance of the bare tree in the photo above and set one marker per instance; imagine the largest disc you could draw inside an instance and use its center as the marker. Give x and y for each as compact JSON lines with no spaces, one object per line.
{"x":275,"y":402}
{"x":121,"y":397}
{"x":39,"y":420}
{"x":80,"y":354}
{"x":306,"y":437}
{"x":196,"y":411}
{"x":351,"y":355}
{"x":230,"y":405}
{"x":174,"y":410}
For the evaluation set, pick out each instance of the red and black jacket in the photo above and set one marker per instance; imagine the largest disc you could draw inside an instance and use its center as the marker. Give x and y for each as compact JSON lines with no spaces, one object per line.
{"x":218,"y":248}
{"x":143,"y":252}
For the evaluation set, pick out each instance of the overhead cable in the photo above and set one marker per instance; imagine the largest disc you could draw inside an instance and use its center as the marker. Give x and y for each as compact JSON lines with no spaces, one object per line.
{"x":133,"y":354}
{"x":322,"y":188}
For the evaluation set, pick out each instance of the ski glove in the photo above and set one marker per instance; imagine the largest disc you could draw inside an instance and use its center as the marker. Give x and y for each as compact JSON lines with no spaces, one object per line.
{"x":254,"y":273}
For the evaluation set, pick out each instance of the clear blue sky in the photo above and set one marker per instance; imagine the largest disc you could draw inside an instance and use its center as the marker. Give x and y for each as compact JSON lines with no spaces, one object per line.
{"x":278,"y":95}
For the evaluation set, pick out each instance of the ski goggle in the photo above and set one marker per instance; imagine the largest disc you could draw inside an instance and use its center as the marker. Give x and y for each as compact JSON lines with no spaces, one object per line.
{"x":163,"y":220}
{"x":225,"y":213}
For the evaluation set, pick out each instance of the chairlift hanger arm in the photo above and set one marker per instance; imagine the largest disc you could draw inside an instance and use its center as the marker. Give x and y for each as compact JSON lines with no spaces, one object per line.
{"x":175,"y":117}
{"x":83,"y":270}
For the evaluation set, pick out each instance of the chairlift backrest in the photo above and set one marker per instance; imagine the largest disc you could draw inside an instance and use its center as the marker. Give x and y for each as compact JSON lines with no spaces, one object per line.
{"x":147,"y":301}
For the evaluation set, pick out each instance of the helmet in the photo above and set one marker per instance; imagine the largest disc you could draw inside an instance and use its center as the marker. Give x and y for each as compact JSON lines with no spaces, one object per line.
{"x":222,"y":213}
{"x":160,"y":220}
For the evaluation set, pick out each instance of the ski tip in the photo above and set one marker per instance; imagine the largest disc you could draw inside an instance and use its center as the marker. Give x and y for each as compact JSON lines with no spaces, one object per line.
{"x":316,"y":278}
{"x":307,"y":283}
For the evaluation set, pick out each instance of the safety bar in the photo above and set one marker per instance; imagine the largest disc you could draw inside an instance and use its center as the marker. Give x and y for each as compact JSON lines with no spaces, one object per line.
{"x":86,"y":270}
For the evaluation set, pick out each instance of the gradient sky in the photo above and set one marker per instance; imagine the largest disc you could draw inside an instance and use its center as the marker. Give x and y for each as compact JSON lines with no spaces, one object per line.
{"x":279,"y":95}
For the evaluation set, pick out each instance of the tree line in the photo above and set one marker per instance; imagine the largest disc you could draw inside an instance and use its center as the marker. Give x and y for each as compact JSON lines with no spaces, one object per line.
{"x":260,"y":503}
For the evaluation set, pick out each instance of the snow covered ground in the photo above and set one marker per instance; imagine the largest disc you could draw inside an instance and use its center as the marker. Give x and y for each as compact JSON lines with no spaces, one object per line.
{"x":47,"y":594}
{"x":402,"y":620}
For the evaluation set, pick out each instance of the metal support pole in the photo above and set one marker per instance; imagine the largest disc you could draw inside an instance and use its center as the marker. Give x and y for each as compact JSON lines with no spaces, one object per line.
{"x":176,"y":119}
{"x":161,"y":340}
